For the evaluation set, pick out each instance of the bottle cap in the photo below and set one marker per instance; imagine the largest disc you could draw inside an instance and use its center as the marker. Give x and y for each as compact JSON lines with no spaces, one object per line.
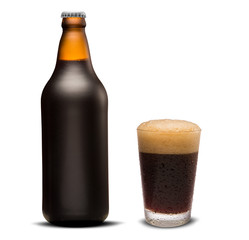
{"x":73,"y":14}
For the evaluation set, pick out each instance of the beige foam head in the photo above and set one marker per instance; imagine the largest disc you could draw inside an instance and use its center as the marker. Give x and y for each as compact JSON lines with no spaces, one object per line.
{"x":168,"y":137}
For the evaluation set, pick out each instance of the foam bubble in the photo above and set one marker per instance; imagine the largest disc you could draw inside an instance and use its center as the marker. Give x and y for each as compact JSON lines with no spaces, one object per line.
{"x":168,"y":137}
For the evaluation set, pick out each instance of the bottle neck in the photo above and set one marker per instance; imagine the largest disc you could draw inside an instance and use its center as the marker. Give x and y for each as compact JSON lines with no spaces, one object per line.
{"x":73,"y":44}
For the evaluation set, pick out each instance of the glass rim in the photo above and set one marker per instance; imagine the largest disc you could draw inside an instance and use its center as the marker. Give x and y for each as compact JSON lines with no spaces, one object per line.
{"x":171,"y":132}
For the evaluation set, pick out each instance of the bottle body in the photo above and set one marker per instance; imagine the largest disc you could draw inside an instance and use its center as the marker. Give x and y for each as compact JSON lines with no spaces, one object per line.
{"x":74,"y":145}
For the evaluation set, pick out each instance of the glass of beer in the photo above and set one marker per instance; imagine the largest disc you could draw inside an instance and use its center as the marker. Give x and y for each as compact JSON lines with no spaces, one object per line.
{"x":168,"y":152}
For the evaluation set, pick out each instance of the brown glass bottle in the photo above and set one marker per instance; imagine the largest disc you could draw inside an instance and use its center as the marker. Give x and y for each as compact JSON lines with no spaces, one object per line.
{"x":74,"y":134}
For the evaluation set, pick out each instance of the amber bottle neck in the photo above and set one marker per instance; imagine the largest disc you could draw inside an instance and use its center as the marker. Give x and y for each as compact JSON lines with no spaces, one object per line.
{"x":73,"y":44}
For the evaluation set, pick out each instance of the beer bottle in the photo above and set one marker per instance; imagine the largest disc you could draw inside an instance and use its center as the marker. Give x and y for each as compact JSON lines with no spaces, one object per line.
{"x":74,"y":134}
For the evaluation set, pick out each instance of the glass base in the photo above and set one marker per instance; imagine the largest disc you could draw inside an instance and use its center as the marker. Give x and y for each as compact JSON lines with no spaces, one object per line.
{"x":166,"y":220}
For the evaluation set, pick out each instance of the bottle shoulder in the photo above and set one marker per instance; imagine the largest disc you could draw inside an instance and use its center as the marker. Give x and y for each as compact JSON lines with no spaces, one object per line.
{"x":74,"y":79}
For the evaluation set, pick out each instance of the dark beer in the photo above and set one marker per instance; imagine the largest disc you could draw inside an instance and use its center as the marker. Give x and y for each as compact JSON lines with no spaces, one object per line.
{"x":74,"y":134}
{"x":168,"y":181}
{"x":168,"y":152}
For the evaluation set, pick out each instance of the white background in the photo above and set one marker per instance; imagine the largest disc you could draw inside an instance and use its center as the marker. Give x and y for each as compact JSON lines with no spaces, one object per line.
{"x":157,"y":59}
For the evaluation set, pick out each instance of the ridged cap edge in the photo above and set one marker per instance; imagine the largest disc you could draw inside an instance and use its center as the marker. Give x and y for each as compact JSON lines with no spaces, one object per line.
{"x":73,"y":14}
